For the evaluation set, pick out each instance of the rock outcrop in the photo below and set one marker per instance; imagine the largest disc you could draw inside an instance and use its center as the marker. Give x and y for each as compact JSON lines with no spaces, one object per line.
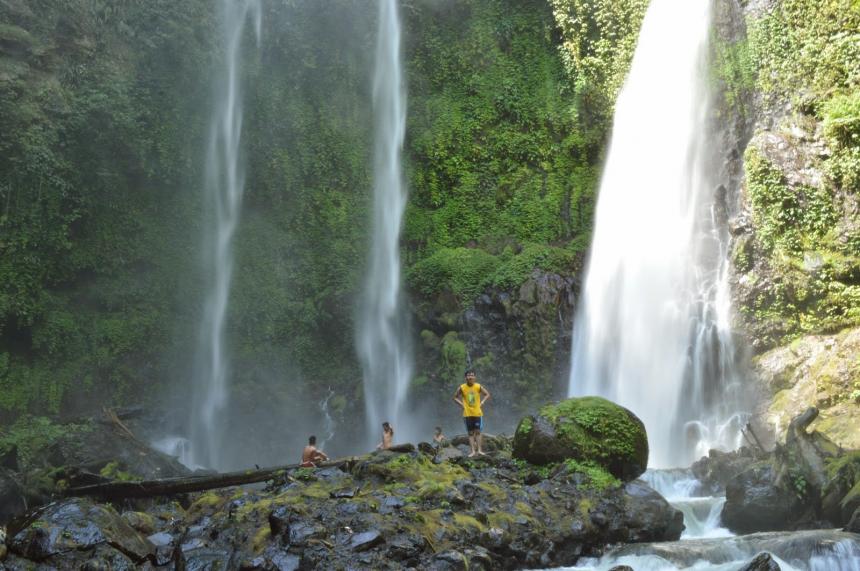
{"x":809,"y":482}
{"x":518,"y":337}
{"x":589,"y":429}
{"x":385,"y":510}
{"x":817,"y":370}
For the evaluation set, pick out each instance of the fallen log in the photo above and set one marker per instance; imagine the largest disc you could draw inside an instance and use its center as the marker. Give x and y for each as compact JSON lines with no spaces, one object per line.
{"x":117,"y":490}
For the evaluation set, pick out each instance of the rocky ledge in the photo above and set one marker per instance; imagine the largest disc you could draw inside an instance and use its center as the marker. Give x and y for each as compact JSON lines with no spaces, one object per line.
{"x":426,"y":507}
{"x":808,"y":482}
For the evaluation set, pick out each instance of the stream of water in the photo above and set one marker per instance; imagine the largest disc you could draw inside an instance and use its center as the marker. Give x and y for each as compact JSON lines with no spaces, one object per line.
{"x":707,"y":546}
{"x":382,"y":336}
{"x":653,"y":327}
{"x":224,"y":188}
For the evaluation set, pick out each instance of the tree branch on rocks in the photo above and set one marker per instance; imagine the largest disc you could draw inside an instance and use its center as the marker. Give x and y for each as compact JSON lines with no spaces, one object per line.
{"x":117,"y":490}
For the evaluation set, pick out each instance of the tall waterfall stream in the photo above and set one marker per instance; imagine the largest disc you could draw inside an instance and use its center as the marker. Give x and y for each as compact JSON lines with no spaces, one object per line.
{"x":653,"y":328}
{"x":225,"y":186}
{"x":382,"y":336}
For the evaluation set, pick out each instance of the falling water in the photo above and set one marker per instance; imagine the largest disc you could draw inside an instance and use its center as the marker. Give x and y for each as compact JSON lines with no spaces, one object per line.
{"x":702,"y":513}
{"x":328,"y":421}
{"x":224,"y":186}
{"x":653,"y":328}
{"x":382,"y":334}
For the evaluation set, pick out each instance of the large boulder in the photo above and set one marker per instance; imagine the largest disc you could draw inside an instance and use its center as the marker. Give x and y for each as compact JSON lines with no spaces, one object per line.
{"x":587,"y":429}
{"x":78,"y":526}
{"x":754,"y":502}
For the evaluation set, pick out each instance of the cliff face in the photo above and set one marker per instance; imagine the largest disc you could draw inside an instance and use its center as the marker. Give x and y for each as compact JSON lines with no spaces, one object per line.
{"x":796,"y":253}
{"x":105,"y":116}
{"x":103,"y":122}
{"x":517,"y":340}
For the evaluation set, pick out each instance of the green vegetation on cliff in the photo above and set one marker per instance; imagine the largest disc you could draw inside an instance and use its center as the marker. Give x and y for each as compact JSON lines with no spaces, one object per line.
{"x":103,"y":124}
{"x":93,"y":167}
{"x":803,"y":187}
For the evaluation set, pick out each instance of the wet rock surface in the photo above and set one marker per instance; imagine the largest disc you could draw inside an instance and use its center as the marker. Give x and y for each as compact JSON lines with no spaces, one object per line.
{"x":761,"y":562}
{"x":809,"y":482}
{"x":405,"y":511}
{"x":519,"y":337}
{"x":72,"y":529}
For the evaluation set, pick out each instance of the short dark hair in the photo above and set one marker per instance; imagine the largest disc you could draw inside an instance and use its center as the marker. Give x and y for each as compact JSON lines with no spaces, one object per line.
{"x":312,"y":440}
{"x":385,"y":424}
{"x":439,"y":428}
{"x":468,"y":372}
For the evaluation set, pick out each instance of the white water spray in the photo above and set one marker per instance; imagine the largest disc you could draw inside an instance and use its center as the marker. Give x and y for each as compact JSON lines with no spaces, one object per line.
{"x":225,"y":186}
{"x":382,"y":334}
{"x":653,"y":328}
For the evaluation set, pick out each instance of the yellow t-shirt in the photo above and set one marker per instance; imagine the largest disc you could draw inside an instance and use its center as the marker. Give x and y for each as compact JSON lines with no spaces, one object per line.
{"x":471,"y":399}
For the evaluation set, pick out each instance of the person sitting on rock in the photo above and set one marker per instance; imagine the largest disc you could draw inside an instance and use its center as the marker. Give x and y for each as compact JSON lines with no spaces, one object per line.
{"x":311,"y":455}
{"x":387,"y":437}
{"x":469,"y":396}
{"x":438,"y":437}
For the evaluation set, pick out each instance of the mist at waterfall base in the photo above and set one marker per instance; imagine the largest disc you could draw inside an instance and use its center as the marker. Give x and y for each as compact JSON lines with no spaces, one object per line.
{"x":652,"y":330}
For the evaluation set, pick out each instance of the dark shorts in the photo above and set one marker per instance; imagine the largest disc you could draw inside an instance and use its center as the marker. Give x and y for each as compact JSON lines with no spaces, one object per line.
{"x":473,"y":423}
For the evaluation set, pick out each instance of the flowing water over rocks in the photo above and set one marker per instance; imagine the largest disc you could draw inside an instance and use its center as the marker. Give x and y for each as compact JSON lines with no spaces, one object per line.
{"x":819,"y":550}
{"x":707,"y":546}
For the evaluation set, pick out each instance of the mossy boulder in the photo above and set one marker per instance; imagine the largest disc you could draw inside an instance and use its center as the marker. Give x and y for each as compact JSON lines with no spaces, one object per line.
{"x":587,"y":429}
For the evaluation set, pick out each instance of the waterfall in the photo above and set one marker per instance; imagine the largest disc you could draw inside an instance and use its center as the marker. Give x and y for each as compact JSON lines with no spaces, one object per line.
{"x":653,"y":327}
{"x":328,"y":421}
{"x":382,"y":335}
{"x":224,"y":188}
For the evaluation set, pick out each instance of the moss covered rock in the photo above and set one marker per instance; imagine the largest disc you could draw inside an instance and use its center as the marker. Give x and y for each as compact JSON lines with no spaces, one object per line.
{"x":588,"y":429}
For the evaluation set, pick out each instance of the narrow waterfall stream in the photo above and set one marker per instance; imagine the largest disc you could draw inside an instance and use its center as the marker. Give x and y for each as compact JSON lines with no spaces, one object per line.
{"x":224,"y":187}
{"x":382,"y":338}
{"x":653,"y":327}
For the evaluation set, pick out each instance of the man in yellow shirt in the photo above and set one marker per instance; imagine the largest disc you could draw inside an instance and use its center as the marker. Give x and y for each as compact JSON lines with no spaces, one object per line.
{"x":470,"y":395}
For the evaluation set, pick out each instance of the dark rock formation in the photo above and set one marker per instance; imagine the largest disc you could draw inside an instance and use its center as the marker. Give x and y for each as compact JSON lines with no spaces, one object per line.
{"x":717,"y":469}
{"x":585,"y":429}
{"x":761,"y":562}
{"x":406,"y":511}
{"x":518,"y":337}
{"x":754,"y":502}
{"x":807,"y":483}
{"x":77,"y":529}
{"x":854,"y":524}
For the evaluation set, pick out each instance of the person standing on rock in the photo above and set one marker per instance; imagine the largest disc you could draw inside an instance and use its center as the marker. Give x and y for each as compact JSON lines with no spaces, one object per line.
{"x":471,"y":396}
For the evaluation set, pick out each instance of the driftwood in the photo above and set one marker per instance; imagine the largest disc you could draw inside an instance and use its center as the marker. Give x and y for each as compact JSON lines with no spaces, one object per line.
{"x":117,"y":490}
{"x":798,"y":425}
{"x":751,"y":437}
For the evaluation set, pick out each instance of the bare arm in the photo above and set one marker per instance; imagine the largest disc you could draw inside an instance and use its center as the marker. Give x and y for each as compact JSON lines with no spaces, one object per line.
{"x":486,"y":394}
{"x":457,"y":398}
